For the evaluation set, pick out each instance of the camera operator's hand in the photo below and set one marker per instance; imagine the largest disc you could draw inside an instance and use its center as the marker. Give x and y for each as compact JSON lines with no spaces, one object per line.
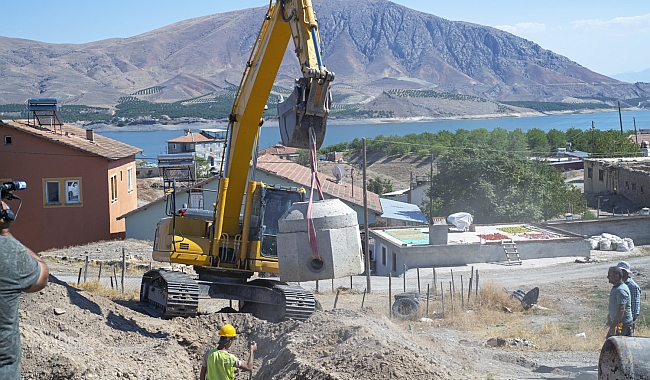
{"x":4,"y":224}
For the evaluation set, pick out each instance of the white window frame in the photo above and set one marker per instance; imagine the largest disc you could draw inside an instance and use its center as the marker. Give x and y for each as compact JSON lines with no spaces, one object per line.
{"x":113,"y":188}
{"x":68,"y":183}
{"x":48,"y":193}
{"x":129,"y":179}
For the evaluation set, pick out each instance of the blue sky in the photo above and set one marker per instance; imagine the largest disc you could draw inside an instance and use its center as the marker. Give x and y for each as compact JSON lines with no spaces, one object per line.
{"x":609,"y":37}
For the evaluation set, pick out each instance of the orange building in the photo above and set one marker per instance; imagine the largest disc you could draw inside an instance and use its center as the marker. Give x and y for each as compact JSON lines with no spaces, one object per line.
{"x":78,"y":183}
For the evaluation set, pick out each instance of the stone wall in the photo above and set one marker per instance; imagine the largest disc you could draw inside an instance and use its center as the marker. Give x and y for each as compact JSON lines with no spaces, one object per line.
{"x":634,"y":227}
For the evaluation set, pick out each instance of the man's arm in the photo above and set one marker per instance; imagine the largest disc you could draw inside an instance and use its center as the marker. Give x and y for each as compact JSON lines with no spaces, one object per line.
{"x":249,"y":366}
{"x":617,"y":319}
{"x":45,"y":271}
{"x":202,"y":374}
{"x":43,"y":278}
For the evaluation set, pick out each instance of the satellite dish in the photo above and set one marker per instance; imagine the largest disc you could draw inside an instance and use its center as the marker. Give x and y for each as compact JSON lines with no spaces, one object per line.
{"x":338,"y":172}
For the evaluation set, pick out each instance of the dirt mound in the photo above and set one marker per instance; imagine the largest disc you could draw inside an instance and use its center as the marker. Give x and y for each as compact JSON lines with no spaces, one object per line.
{"x":72,"y":334}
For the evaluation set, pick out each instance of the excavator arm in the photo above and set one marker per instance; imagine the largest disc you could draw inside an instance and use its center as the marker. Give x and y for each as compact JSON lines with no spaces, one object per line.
{"x":228,"y":247}
{"x":307,"y":107}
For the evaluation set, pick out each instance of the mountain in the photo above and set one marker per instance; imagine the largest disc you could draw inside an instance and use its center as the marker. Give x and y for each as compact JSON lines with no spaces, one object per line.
{"x":373,"y":46}
{"x":633,"y":77}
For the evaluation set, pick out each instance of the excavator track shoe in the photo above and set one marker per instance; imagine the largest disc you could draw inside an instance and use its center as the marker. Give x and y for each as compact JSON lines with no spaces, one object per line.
{"x":169,"y":294}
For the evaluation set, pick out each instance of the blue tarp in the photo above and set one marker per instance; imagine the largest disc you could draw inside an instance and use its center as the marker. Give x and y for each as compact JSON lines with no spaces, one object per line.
{"x":401,"y":211}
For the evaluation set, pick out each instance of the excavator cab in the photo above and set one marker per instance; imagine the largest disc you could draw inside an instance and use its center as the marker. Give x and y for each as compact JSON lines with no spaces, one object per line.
{"x":273,"y":203}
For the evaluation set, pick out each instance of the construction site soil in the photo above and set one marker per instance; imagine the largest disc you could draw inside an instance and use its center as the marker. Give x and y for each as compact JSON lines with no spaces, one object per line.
{"x":68,"y":333}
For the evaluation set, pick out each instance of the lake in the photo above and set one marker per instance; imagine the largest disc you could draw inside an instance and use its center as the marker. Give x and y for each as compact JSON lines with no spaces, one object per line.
{"x":155,"y":142}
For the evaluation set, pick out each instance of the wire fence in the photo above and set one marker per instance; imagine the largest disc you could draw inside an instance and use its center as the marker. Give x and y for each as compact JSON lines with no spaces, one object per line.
{"x":426,"y":292}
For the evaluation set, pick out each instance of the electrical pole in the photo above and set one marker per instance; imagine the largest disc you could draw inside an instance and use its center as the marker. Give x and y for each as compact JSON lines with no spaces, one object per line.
{"x":592,"y":139}
{"x":430,"y":193}
{"x":620,"y":118}
{"x":366,"y":240}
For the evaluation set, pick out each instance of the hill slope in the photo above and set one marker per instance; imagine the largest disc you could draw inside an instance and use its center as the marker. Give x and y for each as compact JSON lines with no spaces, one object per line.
{"x":364,"y":42}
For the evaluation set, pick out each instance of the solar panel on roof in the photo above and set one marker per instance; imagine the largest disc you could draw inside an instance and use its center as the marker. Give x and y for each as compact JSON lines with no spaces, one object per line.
{"x":45,"y":110}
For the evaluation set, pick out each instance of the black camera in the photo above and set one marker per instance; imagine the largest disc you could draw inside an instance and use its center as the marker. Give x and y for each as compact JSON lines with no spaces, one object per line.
{"x":6,"y":192}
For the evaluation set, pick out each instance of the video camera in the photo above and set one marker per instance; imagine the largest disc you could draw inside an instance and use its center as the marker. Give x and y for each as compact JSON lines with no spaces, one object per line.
{"x":6,"y":193}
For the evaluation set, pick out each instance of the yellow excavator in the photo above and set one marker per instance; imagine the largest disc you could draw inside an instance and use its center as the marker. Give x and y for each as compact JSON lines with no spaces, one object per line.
{"x":240,"y":237}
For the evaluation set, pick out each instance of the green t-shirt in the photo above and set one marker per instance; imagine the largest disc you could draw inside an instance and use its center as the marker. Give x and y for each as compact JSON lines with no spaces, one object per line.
{"x":619,"y":295}
{"x":18,"y":271}
{"x":220,"y":365}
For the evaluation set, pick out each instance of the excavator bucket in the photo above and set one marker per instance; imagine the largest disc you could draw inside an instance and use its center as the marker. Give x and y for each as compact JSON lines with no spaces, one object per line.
{"x":307,"y":107}
{"x":624,"y":357}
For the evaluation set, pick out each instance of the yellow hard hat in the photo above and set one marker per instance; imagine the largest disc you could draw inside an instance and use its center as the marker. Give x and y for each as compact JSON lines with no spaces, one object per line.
{"x":228,"y":331}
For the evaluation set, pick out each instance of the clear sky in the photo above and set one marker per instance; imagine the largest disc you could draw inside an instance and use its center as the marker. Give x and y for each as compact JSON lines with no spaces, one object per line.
{"x":606,"y":36}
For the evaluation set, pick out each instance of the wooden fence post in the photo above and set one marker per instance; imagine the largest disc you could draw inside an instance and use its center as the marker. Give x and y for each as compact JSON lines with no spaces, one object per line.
{"x":390,"y":296}
{"x":86,"y":269}
{"x":123,"y":268}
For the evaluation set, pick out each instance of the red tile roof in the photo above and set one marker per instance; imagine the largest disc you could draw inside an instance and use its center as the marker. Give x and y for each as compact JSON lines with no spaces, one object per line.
{"x":302,"y":175}
{"x":191,"y":137}
{"x":75,"y":138}
{"x":277,"y":149}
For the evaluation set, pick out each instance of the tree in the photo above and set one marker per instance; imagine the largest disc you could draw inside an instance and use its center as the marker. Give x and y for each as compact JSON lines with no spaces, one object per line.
{"x":500,"y":187}
{"x":498,"y":139}
{"x":537,"y":141}
{"x":202,"y":167}
{"x":379,"y":185}
{"x":304,"y":158}
{"x":517,"y":141}
{"x":556,"y":139}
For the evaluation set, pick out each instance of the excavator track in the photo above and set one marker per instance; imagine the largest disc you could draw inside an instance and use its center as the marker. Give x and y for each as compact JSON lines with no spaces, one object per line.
{"x":169,"y":294}
{"x":299,"y":303}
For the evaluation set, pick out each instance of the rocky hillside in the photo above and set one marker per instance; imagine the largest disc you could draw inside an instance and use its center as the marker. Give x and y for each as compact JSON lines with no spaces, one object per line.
{"x":371,"y":45}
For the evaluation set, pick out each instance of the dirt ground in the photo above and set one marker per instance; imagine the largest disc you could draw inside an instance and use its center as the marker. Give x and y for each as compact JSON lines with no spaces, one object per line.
{"x":72,"y":334}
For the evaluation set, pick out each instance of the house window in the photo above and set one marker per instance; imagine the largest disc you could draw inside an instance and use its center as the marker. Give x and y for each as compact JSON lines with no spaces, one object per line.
{"x":395,"y":262}
{"x":121,"y":179}
{"x":634,"y":186}
{"x":383,"y":256}
{"x":129,"y":179}
{"x":72,"y":191}
{"x":113,"y":188}
{"x":8,"y":140}
{"x":52,"y":193}
{"x":601,"y":174}
{"x":627,"y":185}
{"x":62,"y":191}
{"x":590,"y":172}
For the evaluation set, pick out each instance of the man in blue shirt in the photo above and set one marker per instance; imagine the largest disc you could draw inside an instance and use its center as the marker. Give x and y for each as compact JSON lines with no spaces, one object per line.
{"x":635,"y":291}
{"x":21,"y":270}
{"x":619,"y":316}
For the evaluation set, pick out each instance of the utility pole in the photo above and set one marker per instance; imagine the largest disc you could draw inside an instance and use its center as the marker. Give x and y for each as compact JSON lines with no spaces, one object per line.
{"x":430,"y":193}
{"x":636,"y":136}
{"x":620,"y":118}
{"x":366,"y":240}
{"x":592,"y":138}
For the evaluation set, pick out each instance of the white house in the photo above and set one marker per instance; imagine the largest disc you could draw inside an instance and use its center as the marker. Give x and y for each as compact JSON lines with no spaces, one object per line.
{"x":141,"y":222}
{"x":278,"y":171}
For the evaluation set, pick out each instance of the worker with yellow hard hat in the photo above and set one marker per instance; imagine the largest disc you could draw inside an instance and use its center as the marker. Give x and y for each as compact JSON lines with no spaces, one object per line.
{"x":218,"y":363}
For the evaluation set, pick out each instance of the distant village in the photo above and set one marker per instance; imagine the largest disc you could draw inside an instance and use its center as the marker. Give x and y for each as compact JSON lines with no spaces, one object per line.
{"x":60,"y":164}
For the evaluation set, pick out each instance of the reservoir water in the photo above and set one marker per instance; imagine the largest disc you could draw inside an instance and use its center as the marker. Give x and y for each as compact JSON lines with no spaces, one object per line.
{"x":155,"y":142}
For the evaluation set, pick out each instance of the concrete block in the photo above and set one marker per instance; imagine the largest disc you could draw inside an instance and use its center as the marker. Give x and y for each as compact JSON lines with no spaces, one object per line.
{"x":438,"y":234}
{"x":337,"y":235}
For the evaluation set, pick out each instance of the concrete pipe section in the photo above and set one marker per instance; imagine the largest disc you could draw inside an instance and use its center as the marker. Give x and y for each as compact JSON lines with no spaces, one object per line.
{"x":337,"y":236}
{"x":624,"y":357}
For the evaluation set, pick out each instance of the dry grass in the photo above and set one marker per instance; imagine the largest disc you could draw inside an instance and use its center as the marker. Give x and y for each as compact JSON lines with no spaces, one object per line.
{"x":95,"y":287}
{"x":495,"y":313}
